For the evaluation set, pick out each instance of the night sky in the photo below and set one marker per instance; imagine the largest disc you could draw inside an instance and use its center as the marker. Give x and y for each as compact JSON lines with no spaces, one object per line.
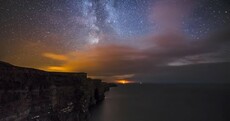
{"x":137,"y":40}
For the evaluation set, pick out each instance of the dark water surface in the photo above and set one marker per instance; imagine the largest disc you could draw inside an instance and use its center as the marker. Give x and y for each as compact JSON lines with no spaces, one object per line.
{"x":152,"y":102}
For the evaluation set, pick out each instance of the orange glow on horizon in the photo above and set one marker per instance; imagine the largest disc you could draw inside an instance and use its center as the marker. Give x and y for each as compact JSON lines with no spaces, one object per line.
{"x":54,"y":56}
{"x":123,"y":81}
{"x":55,"y":69}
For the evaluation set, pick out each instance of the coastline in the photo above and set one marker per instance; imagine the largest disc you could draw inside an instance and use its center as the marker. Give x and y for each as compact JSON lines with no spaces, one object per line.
{"x":33,"y":95}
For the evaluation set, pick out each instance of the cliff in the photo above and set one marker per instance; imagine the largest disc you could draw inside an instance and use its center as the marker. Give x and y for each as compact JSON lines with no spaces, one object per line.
{"x":34,"y":95}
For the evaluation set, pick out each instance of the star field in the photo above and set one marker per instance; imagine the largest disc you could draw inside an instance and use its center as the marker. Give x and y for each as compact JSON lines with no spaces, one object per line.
{"x":29,"y":29}
{"x":85,"y":20}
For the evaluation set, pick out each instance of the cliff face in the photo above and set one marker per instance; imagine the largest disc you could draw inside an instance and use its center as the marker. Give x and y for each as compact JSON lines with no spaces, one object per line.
{"x":34,"y":95}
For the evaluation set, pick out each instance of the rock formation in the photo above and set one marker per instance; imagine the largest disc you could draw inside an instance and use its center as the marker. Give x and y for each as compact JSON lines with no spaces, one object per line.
{"x":33,"y":95}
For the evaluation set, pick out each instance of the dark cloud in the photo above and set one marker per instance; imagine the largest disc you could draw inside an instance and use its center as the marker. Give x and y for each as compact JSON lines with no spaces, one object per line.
{"x":114,"y":59}
{"x":197,"y":73}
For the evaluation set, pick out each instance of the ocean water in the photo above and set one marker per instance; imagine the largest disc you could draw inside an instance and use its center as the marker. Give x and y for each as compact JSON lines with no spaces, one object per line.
{"x":161,"y":102}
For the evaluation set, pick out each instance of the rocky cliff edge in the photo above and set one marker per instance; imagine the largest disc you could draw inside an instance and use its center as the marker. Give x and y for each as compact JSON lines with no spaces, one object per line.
{"x":33,"y":95}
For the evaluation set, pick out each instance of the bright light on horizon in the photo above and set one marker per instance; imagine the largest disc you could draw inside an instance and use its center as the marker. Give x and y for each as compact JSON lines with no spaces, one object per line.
{"x":123,"y":81}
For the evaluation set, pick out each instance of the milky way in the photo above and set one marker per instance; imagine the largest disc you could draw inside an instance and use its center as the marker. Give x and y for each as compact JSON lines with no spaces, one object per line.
{"x":88,"y":20}
{"x":106,"y":35}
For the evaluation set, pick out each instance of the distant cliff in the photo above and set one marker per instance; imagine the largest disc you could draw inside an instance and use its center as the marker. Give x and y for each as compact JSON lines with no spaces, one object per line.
{"x":34,"y":95}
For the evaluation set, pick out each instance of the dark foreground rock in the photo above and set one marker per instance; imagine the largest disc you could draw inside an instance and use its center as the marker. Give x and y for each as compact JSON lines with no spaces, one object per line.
{"x":33,"y":95}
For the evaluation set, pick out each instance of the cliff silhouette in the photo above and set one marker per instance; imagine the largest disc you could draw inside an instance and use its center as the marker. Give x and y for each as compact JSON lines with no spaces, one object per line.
{"x":28,"y":94}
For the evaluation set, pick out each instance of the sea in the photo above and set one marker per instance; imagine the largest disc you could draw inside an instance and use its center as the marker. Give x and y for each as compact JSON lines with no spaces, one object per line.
{"x":165,"y":102}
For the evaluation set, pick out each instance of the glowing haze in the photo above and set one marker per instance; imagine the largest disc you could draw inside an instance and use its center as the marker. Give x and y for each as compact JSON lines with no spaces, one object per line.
{"x":138,"y":40}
